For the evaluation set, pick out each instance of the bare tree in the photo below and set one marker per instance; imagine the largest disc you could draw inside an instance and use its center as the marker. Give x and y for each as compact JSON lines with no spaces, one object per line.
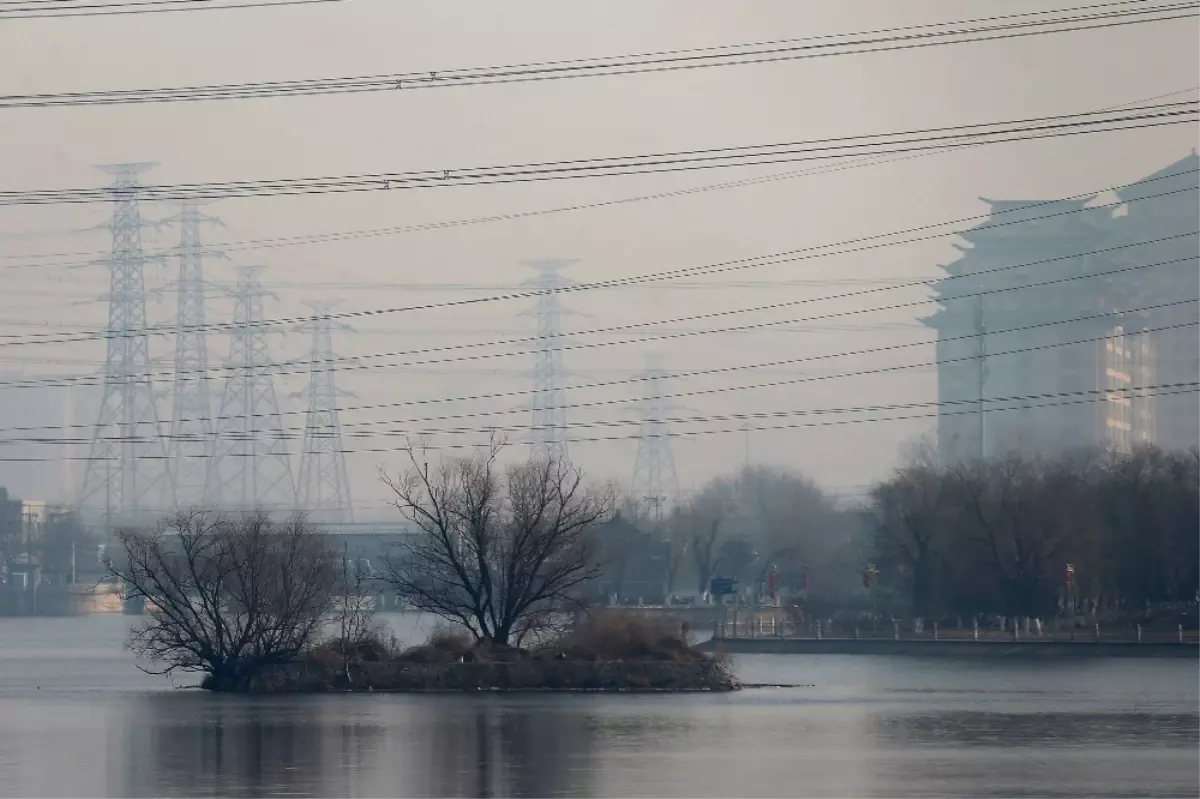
{"x":12,"y":538}
{"x":675,"y":538}
{"x":226,"y":596}
{"x":63,"y":542}
{"x":501,"y":552}
{"x":912,"y":517}
{"x":619,"y":545}
{"x":355,"y":612}
{"x":1024,"y":514}
{"x":704,"y":519}
{"x":789,"y":521}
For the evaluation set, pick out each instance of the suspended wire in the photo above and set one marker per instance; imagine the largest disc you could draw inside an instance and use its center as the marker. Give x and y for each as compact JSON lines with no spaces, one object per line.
{"x":1104,"y":395}
{"x":40,"y":9}
{"x":800,"y":254}
{"x":1162,"y":114}
{"x":883,"y":40}
{"x":353,"y":235}
{"x":272,"y":436}
{"x":352,"y":363}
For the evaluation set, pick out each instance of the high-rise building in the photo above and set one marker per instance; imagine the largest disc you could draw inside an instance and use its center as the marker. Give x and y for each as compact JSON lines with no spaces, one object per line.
{"x":1163,"y":209}
{"x":1071,"y":323}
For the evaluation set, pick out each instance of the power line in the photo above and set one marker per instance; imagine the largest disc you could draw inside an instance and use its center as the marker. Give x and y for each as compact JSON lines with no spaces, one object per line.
{"x":1104,"y":395}
{"x":544,"y":337}
{"x":352,"y":235}
{"x":23,"y":9}
{"x":803,"y":253}
{"x":663,"y":397}
{"x":1093,"y":18}
{"x":1162,"y":114}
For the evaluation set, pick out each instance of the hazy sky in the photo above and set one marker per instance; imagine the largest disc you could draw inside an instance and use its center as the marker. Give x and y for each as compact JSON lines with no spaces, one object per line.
{"x":559,"y":120}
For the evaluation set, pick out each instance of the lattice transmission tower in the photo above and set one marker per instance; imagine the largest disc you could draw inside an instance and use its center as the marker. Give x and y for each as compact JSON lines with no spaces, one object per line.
{"x":655,"y":483}
{"x":249,"y":467}
{"x":127,"y":473}
{"x":191,"y":440}
{"x":548,"y":422}
{"x":324,"y":489}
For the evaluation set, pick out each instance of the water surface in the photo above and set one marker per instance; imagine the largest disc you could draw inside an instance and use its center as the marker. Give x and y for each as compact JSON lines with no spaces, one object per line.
{"x":78,"y":719}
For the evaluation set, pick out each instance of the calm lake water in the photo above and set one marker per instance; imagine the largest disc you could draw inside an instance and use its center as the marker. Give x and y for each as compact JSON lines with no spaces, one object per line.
{"x":78,"y":719}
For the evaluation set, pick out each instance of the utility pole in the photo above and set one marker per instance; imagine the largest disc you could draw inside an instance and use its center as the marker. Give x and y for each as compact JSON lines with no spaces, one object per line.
{"x":27,"y":524}
{"x":127,"y":432}
{"x":108,"y":527}
{"x":249,"y":467}
{"x":981,"y":373}
{"x":548,"y":423}
{"x":191,"y":439}
{"x":654,"y":479}
{"x":324,"y":488}
{"x":68,"y":461}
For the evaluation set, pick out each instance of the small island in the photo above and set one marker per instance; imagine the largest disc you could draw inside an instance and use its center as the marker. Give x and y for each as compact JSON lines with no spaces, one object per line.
{"x":605,"y":652}
{"x":499,"y":555}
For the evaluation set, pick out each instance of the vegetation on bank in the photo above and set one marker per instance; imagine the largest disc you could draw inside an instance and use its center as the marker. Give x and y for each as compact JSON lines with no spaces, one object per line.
{"x":506,"y":554}
{"x":1032,"y":537}
{"x":228,"y":596}
{"x":605,"y":652}
{"x":947,"y":541}
{"x":255,"y":604}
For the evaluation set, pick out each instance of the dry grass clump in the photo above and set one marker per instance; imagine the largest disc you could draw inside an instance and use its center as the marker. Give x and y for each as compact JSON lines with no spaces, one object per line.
{"x":604,"y":652}
{"x":445,"y":645}
{"x":625,"y":636}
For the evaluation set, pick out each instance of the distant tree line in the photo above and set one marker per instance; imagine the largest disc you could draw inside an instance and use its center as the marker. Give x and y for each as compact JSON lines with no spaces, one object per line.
{"x":510,"y":553}
{"x":1011,"y":536}
{"x":59,"y":543}
{"x":764,"y":527}
{"x":1026,"y":537}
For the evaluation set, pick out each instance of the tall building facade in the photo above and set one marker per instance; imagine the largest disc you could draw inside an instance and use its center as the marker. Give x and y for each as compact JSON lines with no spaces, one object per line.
{"x":1064,"y":324}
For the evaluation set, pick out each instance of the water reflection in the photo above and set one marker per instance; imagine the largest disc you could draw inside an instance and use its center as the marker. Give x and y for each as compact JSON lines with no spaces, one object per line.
{"x":389,"y":745}
{"x":1039,"y":729}
{"x":200,"y":744}
{"x":77,"y":719}
{"x":342,"y":746}
{"x":499,"y":748}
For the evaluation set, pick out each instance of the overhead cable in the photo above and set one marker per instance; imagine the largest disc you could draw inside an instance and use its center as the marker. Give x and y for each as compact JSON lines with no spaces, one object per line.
{"x":864,"y":243}
{"x":64,"y":9}
{"x":137,"y":436}
{"x":1090,"y":396}
{"x":1006,"y":27}
{"x":366,"y":233}
{"x":1162,"y":114}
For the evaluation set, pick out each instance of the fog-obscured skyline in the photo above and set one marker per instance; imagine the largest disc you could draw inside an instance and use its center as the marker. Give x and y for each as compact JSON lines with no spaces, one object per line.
{"x":332,"y":135}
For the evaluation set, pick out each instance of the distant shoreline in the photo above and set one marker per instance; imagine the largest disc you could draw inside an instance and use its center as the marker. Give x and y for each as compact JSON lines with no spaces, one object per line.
{"x":957,"y":649}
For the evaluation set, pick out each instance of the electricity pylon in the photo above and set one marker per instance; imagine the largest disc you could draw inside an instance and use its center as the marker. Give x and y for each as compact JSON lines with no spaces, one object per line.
{"x":324,"y":488}
{"x":190,"y":444}
{"x":548,"y":423}
{"x":127,"y":469}
{"x":654,"y":482}
{"x":249,"y":467}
